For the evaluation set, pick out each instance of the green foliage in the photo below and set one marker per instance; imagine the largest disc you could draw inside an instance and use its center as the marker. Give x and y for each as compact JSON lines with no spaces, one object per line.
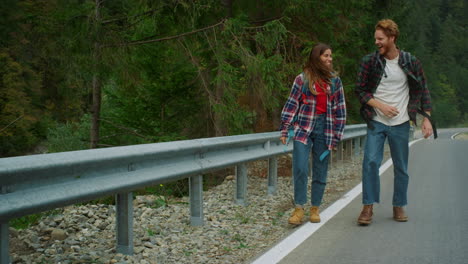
{"x":28,"y":220}
{"x":228,"y":79}
{"x":68,"y":136}
{"x":20,"y":125}
{"x":446,"y":112}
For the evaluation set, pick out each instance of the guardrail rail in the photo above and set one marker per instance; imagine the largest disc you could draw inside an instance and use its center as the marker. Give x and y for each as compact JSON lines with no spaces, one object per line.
{"x":37,"y":183}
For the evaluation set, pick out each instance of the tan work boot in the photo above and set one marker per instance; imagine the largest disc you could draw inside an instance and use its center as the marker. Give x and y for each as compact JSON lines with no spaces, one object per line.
{"x":365,"y":218}
{"x":399,"y":214}
{"x":296,"y":217}
{"x":314,"y":214}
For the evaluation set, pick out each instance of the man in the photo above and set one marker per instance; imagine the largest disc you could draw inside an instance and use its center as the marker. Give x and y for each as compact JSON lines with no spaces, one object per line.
{"x":391,"y":87}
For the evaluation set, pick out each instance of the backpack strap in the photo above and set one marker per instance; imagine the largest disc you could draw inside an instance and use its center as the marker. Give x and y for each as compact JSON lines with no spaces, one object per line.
{"x":334,"y":85}
{"x":305,"y":84}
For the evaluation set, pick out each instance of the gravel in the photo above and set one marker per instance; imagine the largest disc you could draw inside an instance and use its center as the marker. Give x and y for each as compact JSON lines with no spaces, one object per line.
{"x":231,"y":233}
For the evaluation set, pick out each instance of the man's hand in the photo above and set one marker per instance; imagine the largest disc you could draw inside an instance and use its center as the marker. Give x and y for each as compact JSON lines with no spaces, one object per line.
{"x":387,"y":110}
{"x":283,"y":140}
{"x":426,"y":128}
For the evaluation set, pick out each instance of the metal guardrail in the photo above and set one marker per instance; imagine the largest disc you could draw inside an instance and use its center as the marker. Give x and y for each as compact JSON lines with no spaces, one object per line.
{"x":36,"y":183}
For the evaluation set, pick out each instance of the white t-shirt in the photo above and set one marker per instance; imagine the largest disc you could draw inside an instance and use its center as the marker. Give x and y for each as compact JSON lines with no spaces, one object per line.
{"x":393,"y":90}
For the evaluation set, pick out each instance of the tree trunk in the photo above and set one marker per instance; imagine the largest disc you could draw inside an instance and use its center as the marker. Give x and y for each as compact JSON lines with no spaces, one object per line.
{"x":96,"y":111}
{"x":219,"y":124}
{"x":228,"y":5}
{"x":96,"y":104}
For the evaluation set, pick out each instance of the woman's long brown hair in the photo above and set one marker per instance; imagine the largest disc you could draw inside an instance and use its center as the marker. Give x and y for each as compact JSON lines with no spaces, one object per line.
{"x":315,"y":70}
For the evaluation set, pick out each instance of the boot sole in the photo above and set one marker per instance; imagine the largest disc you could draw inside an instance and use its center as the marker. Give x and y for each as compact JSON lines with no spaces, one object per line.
{"x":401,"y":219}
{"x":294,"y":223}
{"x":363,"y":222}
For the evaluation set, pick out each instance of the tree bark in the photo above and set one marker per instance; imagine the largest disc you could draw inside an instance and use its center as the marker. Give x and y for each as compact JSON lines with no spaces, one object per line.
{"x":96,"y":112}
{"x":228,"y":5}
{"x":219,"y":124}
{"x":96,"y":104}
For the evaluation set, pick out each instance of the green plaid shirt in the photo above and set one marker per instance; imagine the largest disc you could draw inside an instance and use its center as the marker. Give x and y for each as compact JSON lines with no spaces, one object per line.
{"x":371,"y":71}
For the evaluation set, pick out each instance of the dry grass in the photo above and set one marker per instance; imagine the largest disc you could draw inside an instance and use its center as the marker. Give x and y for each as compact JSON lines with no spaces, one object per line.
{"x":462,"y":136}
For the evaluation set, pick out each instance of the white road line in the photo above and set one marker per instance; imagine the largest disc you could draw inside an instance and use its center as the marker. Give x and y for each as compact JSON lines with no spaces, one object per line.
{"x":454,"y":135}
{"x":287,"y":245}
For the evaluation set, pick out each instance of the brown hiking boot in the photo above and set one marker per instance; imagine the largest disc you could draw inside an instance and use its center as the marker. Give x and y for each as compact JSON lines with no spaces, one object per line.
{"x":366,"y":215}
{"x":296,"y":217}
{"x":399,"y":214}
{"x":314,"y":214}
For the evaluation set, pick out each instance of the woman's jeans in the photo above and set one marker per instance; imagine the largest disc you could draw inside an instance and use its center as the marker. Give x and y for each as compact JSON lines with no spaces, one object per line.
{"x":373,"y":154}
{"x":316,"y":141}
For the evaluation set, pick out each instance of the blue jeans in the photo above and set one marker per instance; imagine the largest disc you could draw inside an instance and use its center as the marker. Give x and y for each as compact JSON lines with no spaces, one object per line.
{"x":316,"y":141}
{"x":373,"y":155}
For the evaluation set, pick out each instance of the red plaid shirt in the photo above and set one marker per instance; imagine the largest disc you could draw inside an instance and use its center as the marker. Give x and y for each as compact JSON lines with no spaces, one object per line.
{"x":303,"y":105}
{"x":372,"y":69}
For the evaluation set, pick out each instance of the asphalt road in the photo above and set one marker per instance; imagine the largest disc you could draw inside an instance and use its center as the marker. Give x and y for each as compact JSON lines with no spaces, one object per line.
{"x":437,"y":230}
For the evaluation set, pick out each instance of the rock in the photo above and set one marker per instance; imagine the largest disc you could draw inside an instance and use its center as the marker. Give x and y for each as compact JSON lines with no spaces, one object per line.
{"x":138,"y":250}
{"x":13,"y":232}
{"x":58,"y":234}
{"x":230,"y":178}
{"x":75,"y":248}
{"x":148,"y":245}
{"x":164,"y":234}
{"x":50,"y":251}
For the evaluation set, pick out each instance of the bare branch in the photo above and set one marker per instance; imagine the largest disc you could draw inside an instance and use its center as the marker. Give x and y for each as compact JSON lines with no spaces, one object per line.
{"x":132,"y":131}
{"x":113,"y":135}
{"x":105,"y":145}
{"x":138,"y":42}
{"x":14,"y":121}
{"x":267,"y":20}
{"x":262,"y":21}
{"x":211,"y":101}
{"x":127,"y":18}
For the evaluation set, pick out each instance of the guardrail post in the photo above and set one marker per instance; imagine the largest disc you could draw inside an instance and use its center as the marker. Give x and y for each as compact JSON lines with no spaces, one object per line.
{"x":272,"y":175}
{"x":241,"y":184}
{"x":357,"y":146}
{"x":124,"y":223}
{"x":411,"y":133}
{"x":4,"y":247}
{"x":4,"y":236}
{"x":311,"y":164}
{"x":196,"y":200}
{"x":339,"y":152}
{"x":349,"y":149}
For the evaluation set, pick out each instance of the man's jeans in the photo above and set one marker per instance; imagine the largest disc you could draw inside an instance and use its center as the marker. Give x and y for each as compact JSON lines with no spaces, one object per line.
{"x":373,"y":155}
{"x":316,"y":141}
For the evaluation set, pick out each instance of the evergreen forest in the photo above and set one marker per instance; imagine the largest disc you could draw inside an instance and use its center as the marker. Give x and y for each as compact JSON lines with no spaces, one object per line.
{"x":79,"y":74}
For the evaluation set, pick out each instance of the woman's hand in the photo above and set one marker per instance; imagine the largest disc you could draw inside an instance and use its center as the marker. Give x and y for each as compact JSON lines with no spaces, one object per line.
{"x":283,"y":140}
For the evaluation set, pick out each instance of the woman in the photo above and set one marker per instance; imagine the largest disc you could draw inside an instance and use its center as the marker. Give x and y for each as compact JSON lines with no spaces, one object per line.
{"x":315,"y":114}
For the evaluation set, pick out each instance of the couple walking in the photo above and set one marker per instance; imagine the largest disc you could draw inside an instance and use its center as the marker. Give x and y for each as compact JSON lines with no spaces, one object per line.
{"x":391,"y":87}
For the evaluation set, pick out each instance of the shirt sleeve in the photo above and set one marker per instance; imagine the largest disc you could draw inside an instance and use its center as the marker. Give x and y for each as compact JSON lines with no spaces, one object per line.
{"x":339,"y":114}
{"x":426,"y":104}
{"x":291,"y":106}
{"x":361,"y":90}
